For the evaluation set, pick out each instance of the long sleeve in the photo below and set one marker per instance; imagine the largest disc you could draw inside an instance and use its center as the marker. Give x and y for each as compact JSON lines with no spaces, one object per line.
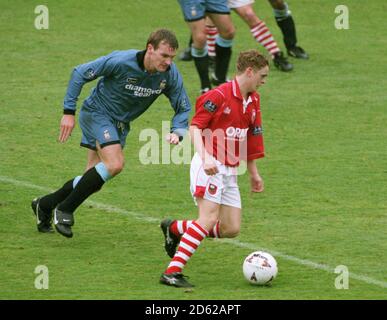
{"x":103,"y":66}
{"x":179,"y":102}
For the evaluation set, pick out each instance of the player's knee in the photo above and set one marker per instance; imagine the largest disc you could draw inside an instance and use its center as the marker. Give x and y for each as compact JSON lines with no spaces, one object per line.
{"x":200,"y":41}
{"x":115,"y":167}
{"x":228,"y":32}
{"x":211,"y":218}
{"x":208,"y":221}
{"x":250,"y":17}
{"x":229,"y":232}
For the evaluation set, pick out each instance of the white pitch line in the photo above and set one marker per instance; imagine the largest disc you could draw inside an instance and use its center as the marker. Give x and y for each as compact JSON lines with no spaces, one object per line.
{"x":306,"y":263}
{"x":234,"y":242}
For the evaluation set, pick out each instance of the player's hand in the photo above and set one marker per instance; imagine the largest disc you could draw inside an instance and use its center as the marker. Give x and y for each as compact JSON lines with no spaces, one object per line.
{"x":172,"y":138}
{"x":67,"y":125}
{"x":256,"y":183}
{"x":210,"y":167}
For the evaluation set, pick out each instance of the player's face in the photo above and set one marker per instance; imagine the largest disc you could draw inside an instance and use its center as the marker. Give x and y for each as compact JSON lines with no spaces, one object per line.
{"x":161,"y":58}
{"x":258,"y":78}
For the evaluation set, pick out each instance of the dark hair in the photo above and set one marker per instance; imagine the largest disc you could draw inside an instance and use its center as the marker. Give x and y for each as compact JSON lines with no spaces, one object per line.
{"x":251,"y":58}
{"x":163,"y":35}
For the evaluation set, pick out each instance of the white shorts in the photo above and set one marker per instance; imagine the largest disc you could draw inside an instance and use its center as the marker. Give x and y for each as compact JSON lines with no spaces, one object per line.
{"x":221,"y":188}
{"x":232,"y":4}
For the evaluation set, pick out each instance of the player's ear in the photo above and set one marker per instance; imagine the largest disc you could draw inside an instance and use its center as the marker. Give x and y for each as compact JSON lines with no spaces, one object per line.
{"x":249,"y":72}
{"x":150,"y":48}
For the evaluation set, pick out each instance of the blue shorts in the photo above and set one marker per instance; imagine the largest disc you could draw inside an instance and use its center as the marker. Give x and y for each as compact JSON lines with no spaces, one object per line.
{"x":194,"y":10}
{"x":97,"y":126}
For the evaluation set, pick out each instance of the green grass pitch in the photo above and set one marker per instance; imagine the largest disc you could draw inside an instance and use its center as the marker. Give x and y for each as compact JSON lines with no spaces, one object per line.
{"x":325,"y":171}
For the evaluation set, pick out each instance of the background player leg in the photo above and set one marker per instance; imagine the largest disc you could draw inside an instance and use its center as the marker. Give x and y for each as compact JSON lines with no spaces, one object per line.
{"x":211,"y":32}
{"x":262,"y":35}
{"x":286,"y":23}
{"x":199,"y":52}
{"x":223,"y":45}
{"x":186,"y":54}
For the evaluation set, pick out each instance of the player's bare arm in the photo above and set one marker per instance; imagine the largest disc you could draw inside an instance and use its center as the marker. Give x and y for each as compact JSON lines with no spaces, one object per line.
{"x":256,"y":180}
{"x":209,"y":164}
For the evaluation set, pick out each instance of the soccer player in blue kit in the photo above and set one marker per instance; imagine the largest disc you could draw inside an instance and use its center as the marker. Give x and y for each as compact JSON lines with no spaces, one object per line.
{"x":195,"y":12}
{"x":130,"y":82}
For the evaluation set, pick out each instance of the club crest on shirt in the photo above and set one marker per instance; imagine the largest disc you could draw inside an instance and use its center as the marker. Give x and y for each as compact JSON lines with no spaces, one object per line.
{"x":212,"y":189}
{"x":90,"y":74}
{"x":210,"y":106}
{"x":227,"y":110}
{"x":106,"y":135}
{"x":163,"y":84}
{"x":132,"y":80}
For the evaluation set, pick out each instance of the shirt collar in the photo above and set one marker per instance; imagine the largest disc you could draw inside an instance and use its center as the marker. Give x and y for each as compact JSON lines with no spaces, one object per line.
{"x":140,"y":55}
{"x":246,"y":103}
{"x":140,"y":59}
{"x":236,"y":91}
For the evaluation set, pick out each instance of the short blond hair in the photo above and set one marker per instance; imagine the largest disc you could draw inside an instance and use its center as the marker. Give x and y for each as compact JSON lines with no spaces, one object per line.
{"x":251,"y":58}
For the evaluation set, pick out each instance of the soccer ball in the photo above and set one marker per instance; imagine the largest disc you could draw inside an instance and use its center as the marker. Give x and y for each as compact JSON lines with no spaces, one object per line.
{"x":260,"y":268}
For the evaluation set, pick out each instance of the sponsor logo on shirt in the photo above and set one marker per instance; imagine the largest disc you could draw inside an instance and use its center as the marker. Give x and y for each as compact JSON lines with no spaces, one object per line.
{"x":236,"y":133}
{"x":132,"y":80}
{"x":141,"y":91}
{"x":210,"y":106}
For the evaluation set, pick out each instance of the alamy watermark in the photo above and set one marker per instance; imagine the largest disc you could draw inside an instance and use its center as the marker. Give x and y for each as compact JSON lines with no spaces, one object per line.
{"x":342,"y":20}
{"x":342,"y":280}
{"x":42,"y":278}
{"x":42,"y":18}
{"x":159,"y":151}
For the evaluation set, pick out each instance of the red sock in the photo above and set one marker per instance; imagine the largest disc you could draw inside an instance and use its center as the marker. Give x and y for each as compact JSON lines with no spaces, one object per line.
{"x":179,"y":227}
{"x":212,"y":32}
{"x":214,"y":232}
{"x":189,"y":242}
{"x":262,"y":35}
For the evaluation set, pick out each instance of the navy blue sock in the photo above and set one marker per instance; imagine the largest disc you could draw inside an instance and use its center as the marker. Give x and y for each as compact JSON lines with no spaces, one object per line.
{"x":50,"y":201}
{"x":90,"y":183}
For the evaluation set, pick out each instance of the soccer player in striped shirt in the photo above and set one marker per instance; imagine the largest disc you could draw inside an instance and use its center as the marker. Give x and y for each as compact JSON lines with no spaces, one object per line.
{"x":130,"y":81}
{"x":225,"y":129}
